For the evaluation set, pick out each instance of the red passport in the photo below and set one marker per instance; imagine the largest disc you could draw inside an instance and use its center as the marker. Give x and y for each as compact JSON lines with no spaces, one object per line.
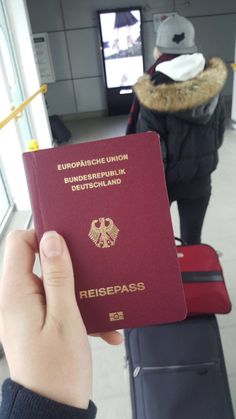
{"x":108,"y":199}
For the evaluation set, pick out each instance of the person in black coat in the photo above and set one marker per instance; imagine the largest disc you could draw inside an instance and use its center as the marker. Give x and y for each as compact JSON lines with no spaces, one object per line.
{"x":43,"y":334}
{"x":181,"y":101}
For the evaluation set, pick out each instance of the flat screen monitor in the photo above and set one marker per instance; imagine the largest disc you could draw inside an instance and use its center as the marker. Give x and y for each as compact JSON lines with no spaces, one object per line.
{"x":121,"y":45}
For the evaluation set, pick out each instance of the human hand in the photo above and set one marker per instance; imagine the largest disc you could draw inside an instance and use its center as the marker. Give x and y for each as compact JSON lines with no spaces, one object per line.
{"x":43,"y":335}
{"x":41,"y":328}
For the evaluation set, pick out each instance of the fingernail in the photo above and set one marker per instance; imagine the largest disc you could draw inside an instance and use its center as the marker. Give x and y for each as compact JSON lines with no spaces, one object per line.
{"x":51,"y":244}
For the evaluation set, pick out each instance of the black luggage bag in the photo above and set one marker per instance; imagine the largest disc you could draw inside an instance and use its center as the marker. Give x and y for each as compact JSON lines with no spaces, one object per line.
{"x":60,"y":133}
{"x":177,"y":371}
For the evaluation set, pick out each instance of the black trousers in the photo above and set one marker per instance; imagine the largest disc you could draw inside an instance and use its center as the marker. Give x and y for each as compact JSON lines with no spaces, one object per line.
{"x":192,"y":213}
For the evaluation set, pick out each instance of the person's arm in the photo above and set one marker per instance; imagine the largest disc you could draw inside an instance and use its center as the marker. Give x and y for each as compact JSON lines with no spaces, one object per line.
{"x":154,"y":121}
{"x":21,"y":403}
{"x":43,"y":334}
{"x":221,"y":121}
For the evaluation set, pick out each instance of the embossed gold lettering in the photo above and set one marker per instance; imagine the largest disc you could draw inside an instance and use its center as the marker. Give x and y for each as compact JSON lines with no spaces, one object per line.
{"x":101,"y":184}
{"x":141,"y":286}
{"x":112,"y":290}
{"x":91,"y":176}
{"x":92,"y":162}
{"x":91,"y":293}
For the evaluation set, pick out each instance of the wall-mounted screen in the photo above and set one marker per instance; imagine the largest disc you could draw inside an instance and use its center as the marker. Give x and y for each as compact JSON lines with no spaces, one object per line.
{"x":121,"y":44}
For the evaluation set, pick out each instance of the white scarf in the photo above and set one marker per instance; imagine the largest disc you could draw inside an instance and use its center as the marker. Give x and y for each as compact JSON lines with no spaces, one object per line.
{"x":182,"y":68}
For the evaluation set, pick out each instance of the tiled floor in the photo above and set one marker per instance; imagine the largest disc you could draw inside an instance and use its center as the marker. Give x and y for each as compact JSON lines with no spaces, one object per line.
{"x":111,"y":386}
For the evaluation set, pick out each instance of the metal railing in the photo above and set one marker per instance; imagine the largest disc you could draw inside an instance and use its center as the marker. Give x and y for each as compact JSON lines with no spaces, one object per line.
{"x":16,"y":111}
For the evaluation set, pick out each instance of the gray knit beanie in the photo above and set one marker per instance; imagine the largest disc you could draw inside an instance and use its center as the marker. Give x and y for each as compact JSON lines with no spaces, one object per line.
{"x":176,"y":35}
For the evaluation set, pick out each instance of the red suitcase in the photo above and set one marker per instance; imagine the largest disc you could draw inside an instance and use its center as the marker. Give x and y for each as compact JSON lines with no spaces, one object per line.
{"x":203,"y":280}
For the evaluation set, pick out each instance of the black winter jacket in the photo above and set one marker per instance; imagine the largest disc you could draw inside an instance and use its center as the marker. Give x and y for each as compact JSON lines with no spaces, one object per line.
{"x":190,"y":119}
{"x":21,"y":403}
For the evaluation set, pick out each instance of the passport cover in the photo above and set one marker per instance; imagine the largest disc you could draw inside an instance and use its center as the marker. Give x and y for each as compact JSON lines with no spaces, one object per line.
{"x":108,"y":199}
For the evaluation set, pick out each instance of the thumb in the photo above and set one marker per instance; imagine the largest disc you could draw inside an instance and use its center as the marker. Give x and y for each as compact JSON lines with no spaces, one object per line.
{"x":58,"y":277}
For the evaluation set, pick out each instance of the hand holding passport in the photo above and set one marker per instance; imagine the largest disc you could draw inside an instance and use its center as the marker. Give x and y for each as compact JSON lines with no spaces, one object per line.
{"x":108,"y":200}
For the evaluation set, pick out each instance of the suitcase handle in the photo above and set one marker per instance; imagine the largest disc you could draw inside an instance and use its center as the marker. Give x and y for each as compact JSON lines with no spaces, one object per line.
{"x":181,"y":241}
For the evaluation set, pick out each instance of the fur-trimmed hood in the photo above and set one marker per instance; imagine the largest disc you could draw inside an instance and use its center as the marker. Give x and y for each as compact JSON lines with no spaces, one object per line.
{"x":181,"y":96}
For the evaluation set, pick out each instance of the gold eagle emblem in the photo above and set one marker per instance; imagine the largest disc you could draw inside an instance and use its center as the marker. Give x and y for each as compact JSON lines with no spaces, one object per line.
{"x":103,"y":232}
